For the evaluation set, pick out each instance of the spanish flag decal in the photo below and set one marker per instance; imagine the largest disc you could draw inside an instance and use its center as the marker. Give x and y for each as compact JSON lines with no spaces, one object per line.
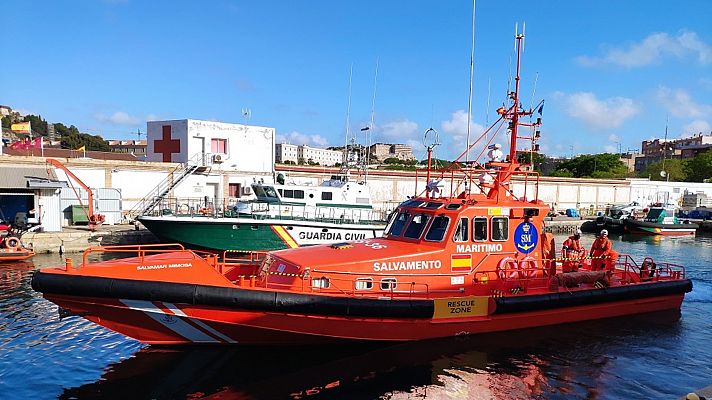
{"x":461,"y":262}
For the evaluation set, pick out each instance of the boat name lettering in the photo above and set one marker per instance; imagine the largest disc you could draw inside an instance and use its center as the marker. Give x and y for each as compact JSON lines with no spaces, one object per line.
{"x":163,"y":266}
{"x":479,"y":248}
{"x":331,"y":236}
{"x":406,"y":265}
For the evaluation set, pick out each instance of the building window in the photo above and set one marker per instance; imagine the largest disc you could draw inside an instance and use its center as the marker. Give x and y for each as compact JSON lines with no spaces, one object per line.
{"x":233,"y":189}
{"x":218,"y":146}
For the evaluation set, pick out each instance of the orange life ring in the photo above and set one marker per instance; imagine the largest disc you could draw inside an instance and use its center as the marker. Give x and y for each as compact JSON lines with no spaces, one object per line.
{"x":12,"y":243}
{"x":508,"y":268}
{"x":528,"y":267}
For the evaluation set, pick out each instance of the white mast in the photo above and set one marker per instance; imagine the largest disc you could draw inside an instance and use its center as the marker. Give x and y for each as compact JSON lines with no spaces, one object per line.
{"x":472,"y":72}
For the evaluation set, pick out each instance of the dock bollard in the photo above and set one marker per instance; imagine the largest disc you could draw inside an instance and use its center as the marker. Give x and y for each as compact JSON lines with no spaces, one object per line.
{"x":69,"y":264}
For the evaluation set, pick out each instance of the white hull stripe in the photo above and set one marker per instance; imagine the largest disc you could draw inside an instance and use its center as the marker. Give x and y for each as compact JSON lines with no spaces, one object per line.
{"x":179,"y":312}
{"x":177,"y":325}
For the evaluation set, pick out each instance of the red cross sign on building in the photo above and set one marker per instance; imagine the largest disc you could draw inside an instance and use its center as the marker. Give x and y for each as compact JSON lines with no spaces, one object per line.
{"x":166,"y":145}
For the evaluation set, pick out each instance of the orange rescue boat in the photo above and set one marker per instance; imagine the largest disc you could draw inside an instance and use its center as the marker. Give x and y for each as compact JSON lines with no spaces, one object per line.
{"x":462,"y":263}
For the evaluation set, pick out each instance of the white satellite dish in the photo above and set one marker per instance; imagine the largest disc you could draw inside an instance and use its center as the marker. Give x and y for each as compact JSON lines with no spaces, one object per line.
{"x":663,"y":174}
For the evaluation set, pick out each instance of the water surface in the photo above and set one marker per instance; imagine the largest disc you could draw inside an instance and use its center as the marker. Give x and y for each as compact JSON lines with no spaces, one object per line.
{"x":653,"y":356}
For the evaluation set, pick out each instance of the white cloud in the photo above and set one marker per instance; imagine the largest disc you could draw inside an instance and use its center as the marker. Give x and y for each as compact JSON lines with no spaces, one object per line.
{"x":301,"y":138}
{"x":600,"y":114}
{"x":695,"y":127}
{"x":680,"y":104}
{"x":613,"y":138}
{"x":456,"y":128}
{"x":403,"y":131}
{"x":652,"y":50}
{"x":118,"y":118}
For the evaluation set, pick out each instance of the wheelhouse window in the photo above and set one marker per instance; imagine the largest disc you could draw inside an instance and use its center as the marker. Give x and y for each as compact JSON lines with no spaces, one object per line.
{"x":437,"y":229}
{"x":500,"y":228}
{"x":326,"y":195}
{"x":270,"y":192}
{"x":416,"y":226}
{"x":479,"y":230}
{"x":396,"y":227}
{"x":298,"y":194}
{"x":462,"y":231}
{"x":388,"y":284}
{"x":363,"y":284}
{"x":289,"y":193}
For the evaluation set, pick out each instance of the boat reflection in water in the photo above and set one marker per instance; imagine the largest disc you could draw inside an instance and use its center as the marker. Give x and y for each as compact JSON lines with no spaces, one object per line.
{"x":571,"y":360}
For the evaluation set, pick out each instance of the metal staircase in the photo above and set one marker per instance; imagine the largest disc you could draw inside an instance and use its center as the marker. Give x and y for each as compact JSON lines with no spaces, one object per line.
{"x":200,"y":162}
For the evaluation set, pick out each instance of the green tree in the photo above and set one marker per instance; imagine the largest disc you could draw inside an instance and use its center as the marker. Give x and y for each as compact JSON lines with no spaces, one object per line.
{"x":699,"y":167}
{"x":562,"y":172}
{"x":535,"y":159}
{"x":392,"y":160}
{"x":675,"y":169}
{"x":71,"y":138}
{"x":39,"y":126}
{"x":594,"y":165}
{"x":6,"y":121}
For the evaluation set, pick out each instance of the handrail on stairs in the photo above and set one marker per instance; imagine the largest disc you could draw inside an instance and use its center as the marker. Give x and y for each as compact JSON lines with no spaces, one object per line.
{"x":174,"y":178}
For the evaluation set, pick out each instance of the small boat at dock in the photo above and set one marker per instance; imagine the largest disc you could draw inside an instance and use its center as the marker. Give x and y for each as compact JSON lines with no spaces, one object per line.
{"x":661,"y":220}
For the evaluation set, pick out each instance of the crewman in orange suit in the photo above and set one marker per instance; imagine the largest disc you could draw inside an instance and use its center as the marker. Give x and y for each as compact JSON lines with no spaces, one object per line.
{"x":548,"y":252}
{"x":600,"y":251}
{"x":573,"y":252}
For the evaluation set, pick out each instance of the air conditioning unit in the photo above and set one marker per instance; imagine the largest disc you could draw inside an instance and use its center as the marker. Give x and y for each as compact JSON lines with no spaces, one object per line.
{"x":246,"y":190}
{"x":217,"y":158}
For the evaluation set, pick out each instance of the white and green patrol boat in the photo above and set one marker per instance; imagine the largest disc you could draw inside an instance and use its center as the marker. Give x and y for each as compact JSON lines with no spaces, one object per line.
{"x":281,"y":217}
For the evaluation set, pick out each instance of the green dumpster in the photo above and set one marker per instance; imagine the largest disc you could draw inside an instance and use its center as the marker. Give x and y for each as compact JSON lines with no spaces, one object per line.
{"x":79,"y":215}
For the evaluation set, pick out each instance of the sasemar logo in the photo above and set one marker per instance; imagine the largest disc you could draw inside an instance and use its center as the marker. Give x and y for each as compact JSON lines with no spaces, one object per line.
{"x":526,"y":237}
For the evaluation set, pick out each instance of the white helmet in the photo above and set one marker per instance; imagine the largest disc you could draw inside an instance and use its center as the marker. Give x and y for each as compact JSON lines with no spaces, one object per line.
{"x":578,"y":231}
{"x":604,"y":232}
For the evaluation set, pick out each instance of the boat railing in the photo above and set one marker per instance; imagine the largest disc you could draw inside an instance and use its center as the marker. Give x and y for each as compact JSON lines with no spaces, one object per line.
{"x":469,"y":177}
{"x":140,"y":251}
{"x":648,"y":270}
{"x":259,"y":210}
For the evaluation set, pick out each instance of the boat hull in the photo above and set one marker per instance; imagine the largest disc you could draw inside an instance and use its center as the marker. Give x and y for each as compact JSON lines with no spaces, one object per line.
{"x":15,"y":255}
{"x":651,"y":228}
{"x":170,"y":313}
{"x":248,"y":234}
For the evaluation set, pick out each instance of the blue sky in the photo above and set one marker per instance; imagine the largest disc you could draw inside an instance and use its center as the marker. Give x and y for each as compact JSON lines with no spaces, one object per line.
{"x":611,"y":72}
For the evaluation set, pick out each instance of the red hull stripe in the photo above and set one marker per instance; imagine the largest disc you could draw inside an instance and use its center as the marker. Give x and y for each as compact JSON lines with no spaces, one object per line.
{"x":175,"y":324}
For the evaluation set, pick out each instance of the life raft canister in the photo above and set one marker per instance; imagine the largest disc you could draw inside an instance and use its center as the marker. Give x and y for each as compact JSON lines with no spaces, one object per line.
{"x":508,"y":268}
{"x":528,"y":267}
